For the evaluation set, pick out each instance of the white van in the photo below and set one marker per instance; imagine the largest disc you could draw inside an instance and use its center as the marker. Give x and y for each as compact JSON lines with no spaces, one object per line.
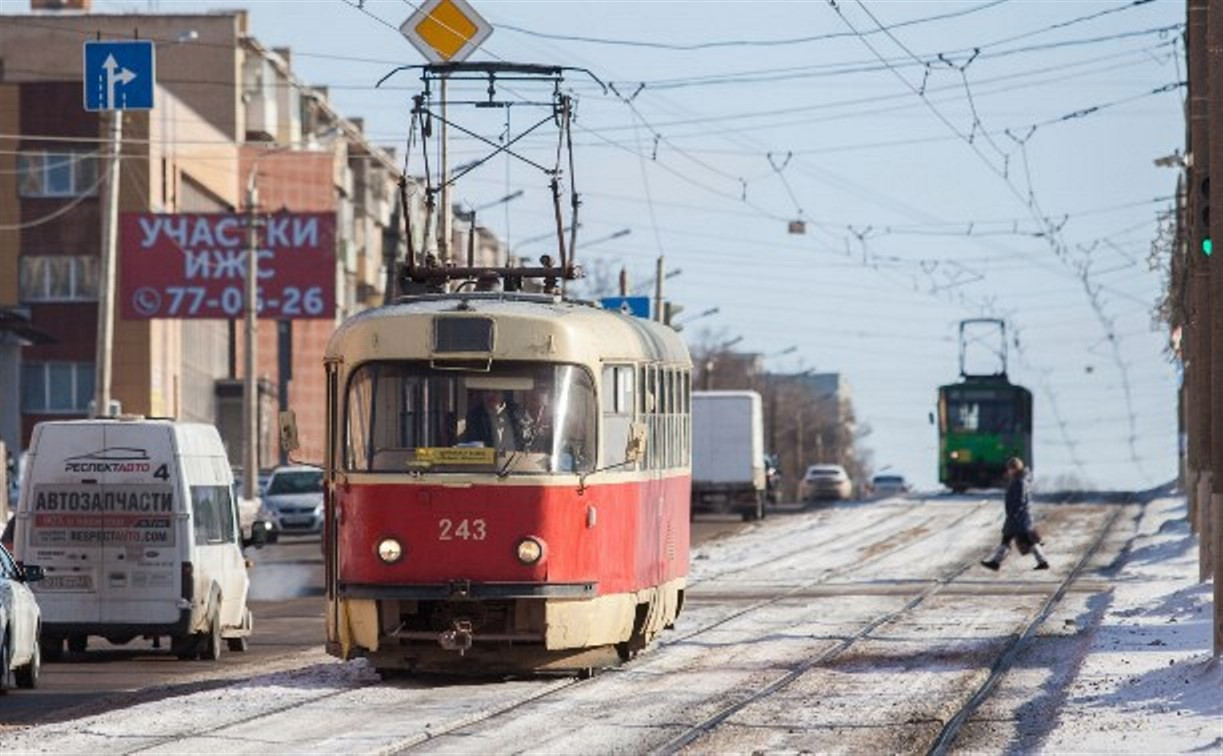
{"x":135,"y":526}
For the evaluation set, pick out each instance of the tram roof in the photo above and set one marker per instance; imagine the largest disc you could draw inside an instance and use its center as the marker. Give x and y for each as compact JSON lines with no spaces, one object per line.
{"x":527,"y":327}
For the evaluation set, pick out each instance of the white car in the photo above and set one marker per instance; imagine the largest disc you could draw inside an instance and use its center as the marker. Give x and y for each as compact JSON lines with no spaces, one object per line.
{"x":825,"y":482}
{"x":20,"y":623}
{"x":889,"y":485}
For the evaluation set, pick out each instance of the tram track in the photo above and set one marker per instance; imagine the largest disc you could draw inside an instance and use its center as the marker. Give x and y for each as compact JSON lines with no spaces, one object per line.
{"x":483,"y":709}
{"x":952,"y":725}
{"x":878,"y":556}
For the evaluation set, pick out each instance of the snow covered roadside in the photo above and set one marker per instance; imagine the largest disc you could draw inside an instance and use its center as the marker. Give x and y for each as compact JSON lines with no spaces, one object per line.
{"x":1148,"y":683}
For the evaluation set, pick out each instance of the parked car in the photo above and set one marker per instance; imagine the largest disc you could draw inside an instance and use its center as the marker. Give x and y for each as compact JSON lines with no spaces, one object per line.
{"x":20,"y":623}
{"x":293,"y":501}
{"x":889,"y":485}
{"x":825,"y":482}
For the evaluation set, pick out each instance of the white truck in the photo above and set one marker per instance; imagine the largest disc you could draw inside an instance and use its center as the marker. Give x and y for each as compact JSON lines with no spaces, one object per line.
{"x":135,"y":525}
{"x":728,"y":471}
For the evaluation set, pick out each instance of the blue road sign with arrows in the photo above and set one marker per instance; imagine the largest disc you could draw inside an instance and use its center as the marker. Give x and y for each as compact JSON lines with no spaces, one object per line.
{"x":119,"y":75}
{"x":638,"y":306}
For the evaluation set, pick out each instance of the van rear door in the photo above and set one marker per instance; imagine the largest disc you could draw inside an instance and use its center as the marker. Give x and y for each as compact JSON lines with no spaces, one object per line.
{"x":140,"y":551}
{"x":61,"y":520}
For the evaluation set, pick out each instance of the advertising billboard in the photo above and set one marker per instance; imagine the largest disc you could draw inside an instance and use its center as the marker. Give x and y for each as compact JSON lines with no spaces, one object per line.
{"x":193,"y":265}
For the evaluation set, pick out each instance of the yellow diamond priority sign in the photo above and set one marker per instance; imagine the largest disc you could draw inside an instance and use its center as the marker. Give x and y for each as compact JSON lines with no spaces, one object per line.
{"x":446,"y":31}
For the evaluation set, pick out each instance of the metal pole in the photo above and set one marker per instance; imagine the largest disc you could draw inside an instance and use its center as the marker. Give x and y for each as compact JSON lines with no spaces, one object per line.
{"x":250,"y":385}
{"x":446,"y":226}
{"x":106,"y":292}
{"x":658,"y":277}
{"x":1198,"y":336}
{"x":1214,"y":324}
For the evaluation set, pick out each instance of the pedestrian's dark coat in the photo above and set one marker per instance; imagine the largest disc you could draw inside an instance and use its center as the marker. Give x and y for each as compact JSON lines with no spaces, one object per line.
{"x":1018,"y":525}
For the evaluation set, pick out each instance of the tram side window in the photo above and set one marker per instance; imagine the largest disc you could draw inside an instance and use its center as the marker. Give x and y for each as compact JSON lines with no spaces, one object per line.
{"x":618,"y":399}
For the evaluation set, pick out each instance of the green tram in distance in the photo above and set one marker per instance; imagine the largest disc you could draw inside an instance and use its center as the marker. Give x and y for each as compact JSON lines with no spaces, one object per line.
{"x":982,"y":421}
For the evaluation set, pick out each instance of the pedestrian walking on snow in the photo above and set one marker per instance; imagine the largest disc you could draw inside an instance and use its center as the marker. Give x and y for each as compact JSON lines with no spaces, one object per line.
{"x":1018,"y":524}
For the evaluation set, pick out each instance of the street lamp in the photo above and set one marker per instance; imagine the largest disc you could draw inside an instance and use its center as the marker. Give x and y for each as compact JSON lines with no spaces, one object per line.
{"x":699,"y":315}
{"x":617,"y":235}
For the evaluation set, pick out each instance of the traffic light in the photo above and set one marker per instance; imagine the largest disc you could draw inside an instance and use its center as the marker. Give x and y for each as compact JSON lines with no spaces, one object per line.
{"x":1202,"y":215}
{"x":669,"y":311}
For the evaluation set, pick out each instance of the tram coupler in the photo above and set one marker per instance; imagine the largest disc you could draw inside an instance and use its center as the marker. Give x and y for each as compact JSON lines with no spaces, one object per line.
{"x":458,"y":638}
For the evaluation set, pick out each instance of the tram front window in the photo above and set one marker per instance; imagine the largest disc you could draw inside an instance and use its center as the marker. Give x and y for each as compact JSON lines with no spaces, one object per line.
{"x":518,"y":418}
{"x":981,"y":417}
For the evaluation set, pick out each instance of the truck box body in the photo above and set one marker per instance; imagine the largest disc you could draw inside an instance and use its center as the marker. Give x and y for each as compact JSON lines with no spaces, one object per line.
{"x":728,"y":452}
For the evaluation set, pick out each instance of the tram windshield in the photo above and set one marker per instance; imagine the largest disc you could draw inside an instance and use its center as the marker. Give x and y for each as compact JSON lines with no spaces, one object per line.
{"x":517,"y":418}
{"x":981,"y":417}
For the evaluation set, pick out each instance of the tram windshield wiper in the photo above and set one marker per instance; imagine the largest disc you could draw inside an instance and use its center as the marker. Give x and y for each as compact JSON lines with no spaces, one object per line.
{"x":509,"y":462}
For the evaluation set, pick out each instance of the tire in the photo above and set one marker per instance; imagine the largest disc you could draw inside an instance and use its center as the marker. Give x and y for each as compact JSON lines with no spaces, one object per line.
{"x":210,"y":644}
{"x":78,"y":643}
{"x":27,"y":676}
{"x":4,"y":664}
{"x":238,"y":645}
{"x":185,"y":647}
{"x":52,"y":649}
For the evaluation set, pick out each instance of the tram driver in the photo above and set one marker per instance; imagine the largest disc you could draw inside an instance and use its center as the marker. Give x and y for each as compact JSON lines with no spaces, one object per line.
{"x":490,"y":422}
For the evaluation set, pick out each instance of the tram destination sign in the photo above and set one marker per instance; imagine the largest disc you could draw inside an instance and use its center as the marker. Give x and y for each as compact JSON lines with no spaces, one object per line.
{"x":193,"y":265}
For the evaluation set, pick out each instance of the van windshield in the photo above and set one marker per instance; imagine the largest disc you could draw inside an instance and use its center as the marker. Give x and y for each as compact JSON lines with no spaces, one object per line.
{"x":298,"y":482}
{"x":516,"y":418}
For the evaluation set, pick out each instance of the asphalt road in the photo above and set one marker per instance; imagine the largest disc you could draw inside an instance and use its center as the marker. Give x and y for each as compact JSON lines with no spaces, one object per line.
{"x":286,"y":591}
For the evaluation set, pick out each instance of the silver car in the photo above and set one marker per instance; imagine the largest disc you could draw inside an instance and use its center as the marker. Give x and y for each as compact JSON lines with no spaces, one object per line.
{"x":825,"y":482}
{"x":20,"y":624}
{"x":293,"y":501}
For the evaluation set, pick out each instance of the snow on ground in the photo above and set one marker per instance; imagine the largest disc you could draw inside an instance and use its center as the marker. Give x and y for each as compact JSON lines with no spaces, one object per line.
{"x":1139,"y":679}
{"x":1148,"y":683}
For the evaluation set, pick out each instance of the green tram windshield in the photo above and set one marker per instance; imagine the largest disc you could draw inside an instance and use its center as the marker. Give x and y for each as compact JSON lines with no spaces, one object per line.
{"x":978,"y":411}
{"x":516,"y":418}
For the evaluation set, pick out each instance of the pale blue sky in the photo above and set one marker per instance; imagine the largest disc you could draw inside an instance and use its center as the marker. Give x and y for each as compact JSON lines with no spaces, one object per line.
{"x":923,"y":182}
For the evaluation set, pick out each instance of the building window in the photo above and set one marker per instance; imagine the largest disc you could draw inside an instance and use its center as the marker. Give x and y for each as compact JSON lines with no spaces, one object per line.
{"x":57,"y":174}
{"x":59,"y":278}
{"x":52,"y":387}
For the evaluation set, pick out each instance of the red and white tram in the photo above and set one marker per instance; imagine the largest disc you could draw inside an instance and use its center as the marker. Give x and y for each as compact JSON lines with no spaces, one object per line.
{"x":507,"y":483}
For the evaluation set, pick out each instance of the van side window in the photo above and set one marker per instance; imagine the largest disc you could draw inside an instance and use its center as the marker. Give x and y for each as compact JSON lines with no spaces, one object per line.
{"x":214,"y":515}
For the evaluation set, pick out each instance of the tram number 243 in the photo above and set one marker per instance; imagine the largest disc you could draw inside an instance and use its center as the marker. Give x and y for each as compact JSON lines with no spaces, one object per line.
{"x":463,"y":530}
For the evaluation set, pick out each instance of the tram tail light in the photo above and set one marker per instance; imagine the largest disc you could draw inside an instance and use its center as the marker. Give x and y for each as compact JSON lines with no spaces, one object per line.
{"x":530,"y":550}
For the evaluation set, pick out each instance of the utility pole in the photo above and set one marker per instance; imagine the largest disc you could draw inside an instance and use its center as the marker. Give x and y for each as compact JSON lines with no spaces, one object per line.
{"x":447,"y":224}
{"x":106,"y":291}
{"x":1197,"y":321}
{"x":1213,"y":323}
{"x":250,"y":384}
{"x":658,"y":277}
{"x":623,"y":282}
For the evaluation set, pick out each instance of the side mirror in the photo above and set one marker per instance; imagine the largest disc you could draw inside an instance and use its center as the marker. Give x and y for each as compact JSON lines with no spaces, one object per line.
{"x":288,"y":431}
{"x":31,"y":573}
{"x":634,"y":450}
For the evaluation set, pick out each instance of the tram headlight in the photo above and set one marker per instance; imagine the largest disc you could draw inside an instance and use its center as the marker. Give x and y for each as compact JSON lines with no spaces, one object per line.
{"x":390,"y":550}
{"x":530,"y":550}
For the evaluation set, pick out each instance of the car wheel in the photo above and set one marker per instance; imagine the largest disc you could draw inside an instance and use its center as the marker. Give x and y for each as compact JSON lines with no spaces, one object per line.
{"x":52,"y":649}
{"x":78,"y":643}
{"x":185,"y":647}
{"x":4,"y":664}
{"x":27,"y":676}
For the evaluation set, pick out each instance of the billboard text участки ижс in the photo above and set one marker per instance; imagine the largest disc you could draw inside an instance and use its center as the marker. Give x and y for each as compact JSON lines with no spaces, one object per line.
{"x":193,"y":265}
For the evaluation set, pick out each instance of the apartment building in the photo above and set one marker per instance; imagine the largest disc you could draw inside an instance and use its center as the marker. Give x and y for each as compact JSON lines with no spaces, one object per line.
{"x":229,"y":114}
